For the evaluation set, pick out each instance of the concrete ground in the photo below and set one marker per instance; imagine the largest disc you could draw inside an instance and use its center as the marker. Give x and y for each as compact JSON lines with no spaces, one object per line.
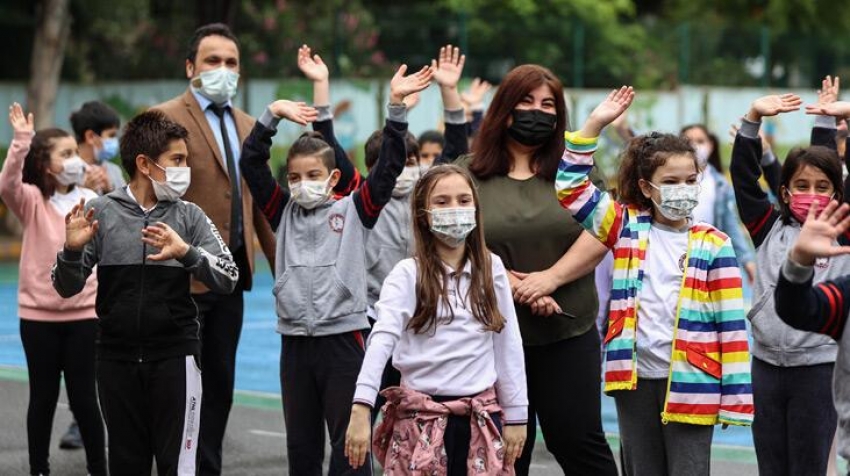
{"x":255,"y":444}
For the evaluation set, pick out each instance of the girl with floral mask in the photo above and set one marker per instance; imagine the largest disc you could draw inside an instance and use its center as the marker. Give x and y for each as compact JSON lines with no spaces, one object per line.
{"x":40,"y":184}
{"x":676,"y":346}
{"x":446,"y":316}
{"x":795,"y":422}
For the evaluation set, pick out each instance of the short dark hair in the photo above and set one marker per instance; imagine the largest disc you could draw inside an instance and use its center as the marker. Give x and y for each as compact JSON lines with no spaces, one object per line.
{"x":313,"y":144}
{"x":372,"y":148}
{"x":432,"y":136}
{"x":149,"y":134}
{"x":822,"y":158}
{"x":211,"y":29}
{"x":93,"y":116}
{"x":37,"y":161}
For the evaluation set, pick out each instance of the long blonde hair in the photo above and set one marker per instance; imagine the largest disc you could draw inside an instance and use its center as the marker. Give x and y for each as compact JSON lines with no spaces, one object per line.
{"x":431,"y":275}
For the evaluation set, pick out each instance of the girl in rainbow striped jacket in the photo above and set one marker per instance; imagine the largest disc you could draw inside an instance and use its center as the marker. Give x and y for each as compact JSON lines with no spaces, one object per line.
{"x":676,"y":353}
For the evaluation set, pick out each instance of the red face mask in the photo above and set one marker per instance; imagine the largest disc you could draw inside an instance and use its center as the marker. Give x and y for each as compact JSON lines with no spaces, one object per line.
{"x":802,"y":202}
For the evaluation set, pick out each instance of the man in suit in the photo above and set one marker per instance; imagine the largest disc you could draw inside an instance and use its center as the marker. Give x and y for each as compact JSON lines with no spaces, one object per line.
{"x":216,"y":132}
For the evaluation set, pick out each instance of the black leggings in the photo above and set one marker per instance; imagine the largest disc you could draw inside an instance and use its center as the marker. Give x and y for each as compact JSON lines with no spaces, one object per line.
{"x":54,"y":349}
{"x":564,"y":393}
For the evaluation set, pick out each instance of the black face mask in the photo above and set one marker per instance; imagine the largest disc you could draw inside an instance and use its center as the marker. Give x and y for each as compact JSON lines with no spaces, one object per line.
{"x":532,"y":127}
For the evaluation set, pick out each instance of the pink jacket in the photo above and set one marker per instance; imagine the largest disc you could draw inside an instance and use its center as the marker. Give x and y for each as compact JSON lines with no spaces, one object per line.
{"x":409,"y":440}
{"x":44,"y":236}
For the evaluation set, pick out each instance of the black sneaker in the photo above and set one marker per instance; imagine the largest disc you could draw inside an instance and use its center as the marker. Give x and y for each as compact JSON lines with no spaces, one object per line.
{"x":71,"y":440}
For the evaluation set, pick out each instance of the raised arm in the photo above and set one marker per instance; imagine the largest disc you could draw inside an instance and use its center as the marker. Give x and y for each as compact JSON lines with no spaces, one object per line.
{"x":269,"y":196}
{"x":371,"y":198}
{"x":473,"y":104}
{"x":595,"y":209}
{"x":754,"y":207}
{"x":79,"y":255}
{"x":447,"y":72}
{"x":21,"y":198}
{"x":317,"y":71}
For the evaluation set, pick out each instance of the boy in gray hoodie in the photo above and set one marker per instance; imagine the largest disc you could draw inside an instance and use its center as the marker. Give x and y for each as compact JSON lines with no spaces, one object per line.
{"x":320,"y":270}
{"x":146,"y":244}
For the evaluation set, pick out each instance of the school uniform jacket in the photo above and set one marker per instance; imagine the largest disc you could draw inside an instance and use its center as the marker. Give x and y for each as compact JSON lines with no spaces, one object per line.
{"x":146,"y":311}
{"x":709,"y":379}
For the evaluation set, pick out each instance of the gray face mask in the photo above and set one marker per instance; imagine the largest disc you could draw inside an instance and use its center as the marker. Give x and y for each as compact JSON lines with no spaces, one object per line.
{"x":452,"y":225}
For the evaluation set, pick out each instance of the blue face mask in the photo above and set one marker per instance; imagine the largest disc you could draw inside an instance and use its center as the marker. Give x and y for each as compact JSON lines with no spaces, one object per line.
{"x":108,"y":150}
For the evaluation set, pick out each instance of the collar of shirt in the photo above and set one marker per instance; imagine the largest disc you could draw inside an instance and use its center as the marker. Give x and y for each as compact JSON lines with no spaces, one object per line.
{"x":130,"y":193}
{"x":467,"y":268}
{"x":205,"y":103}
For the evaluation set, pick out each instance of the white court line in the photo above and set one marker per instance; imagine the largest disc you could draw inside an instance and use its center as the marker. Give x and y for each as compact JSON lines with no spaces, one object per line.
{"x":275,"y":434}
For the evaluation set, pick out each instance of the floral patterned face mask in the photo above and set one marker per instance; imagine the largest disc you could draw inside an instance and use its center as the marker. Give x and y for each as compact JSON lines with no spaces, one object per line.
{"x":677,"y":201}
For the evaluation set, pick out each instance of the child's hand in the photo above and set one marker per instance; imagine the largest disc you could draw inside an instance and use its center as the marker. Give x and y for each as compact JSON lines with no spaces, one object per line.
{"x":828,"y":93}
{"x":819,"y":233}
{"x":514,"y":436}
{"x":97,"y":179}
{"x":357,"y":438}
{"x":411,"y":101}
{"x":474,"y":94}
{"x":773,"y":105}
{"x":615,"y":104}
{"x":312,"y":66}
{"x":80,"y":226}
{"x":839,"y":109}
{"x":449,"y":67}
{"x":171,"y":246}
{"x":402,"y":86}
{"x":297,"y":112}
{"x":20,"y":122}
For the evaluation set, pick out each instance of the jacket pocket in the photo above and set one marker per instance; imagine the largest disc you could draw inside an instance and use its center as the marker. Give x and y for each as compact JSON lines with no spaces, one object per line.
{"x":292,"y":293}
{"x":158,"y":324}
{"x":119,"y":325}
{"x":702,"y":361}
{"x":331,"y":297}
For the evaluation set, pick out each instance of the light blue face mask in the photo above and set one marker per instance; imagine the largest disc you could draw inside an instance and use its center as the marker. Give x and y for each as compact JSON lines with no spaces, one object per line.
{"x":217,"y":85}
{"x":108,"y":149}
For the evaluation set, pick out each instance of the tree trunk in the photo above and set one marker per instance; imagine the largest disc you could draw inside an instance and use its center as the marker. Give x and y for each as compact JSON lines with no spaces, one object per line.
{"x":52,"y":29}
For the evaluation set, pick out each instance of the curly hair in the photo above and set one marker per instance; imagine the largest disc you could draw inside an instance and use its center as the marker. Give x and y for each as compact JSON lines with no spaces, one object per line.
{"x":642,"y":158}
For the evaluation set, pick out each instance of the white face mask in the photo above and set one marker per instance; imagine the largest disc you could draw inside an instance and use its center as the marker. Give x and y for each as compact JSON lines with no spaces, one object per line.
{"x":177,"y":180}
{"x":218,"y":85}
{"x":703,"y":152}
{"x":73,"y":172}
{"x":452,"y":225}
{"x":310,"y":193}
{"x":677,"y":201}
{"x":406,"y":181}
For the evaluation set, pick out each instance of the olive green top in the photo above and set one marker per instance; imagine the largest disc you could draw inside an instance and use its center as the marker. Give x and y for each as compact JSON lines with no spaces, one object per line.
{"x":526,"y":226}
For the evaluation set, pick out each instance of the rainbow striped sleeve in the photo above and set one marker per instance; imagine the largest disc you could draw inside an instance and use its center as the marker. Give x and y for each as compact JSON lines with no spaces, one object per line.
{"x":724,"y":286}
{"x":597,"y":212}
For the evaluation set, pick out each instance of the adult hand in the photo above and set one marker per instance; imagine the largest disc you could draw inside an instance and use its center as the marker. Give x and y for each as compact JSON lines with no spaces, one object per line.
{"x":402,"y":86}
{"x":819,"y":232}
{"x":170,"y":244}
{"x":545,"y":307}
{"x":533,"y":286}
{"x":312,"y":65}
{"x":357,"y":437}
{"x":80,"y":227}
{"x":297,"y":112}
{"x":19,"y":121}
{"x":514,"y":436}
{"x":772,"y":105}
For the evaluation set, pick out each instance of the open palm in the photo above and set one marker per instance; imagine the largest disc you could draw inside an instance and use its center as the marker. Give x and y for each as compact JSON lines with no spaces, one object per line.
{"x":615,"y":104}
{"x":836,"y":109}
{"x":449,"y":67}
{"x":820,"y":231}
{"x":20,"y":122}
{"x":402,"y":86}
{"x":776,"y":104}
{"x":312,"y":65}
{"x":80,"y":226}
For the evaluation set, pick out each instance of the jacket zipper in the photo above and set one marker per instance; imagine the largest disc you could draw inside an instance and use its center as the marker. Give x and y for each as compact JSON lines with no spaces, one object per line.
{"x":141,"y":294}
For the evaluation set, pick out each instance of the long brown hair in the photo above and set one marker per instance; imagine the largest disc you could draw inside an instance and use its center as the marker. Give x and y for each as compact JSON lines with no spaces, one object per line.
{"x":431,"y":275}
{"x":37,"y":161}
{"x":490,"y":148}
{"x":640,"y":160}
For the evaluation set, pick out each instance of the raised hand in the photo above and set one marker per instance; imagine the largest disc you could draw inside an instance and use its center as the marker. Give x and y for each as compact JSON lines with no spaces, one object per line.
{"x":411,"y":101}
{"x":19,"y":121}
{"x":80,"y":227}
{"x":474,"y":94}
{"x":402,"y":86}
{"x":615,"y":104}
{"x":297,"y":112}
{"x":312,"y":65}
{"x":819,"y":232}
{"x":161,"y":236}
{"x":828,"y":93}
{"x":840,"y":109}
{"x":448,"y":68}
{"x":772,"y":105}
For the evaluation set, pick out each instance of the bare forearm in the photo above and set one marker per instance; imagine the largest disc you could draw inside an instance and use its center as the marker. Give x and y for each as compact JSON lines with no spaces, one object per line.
{"x":322,"y":93}
{"x":582,"y":258}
